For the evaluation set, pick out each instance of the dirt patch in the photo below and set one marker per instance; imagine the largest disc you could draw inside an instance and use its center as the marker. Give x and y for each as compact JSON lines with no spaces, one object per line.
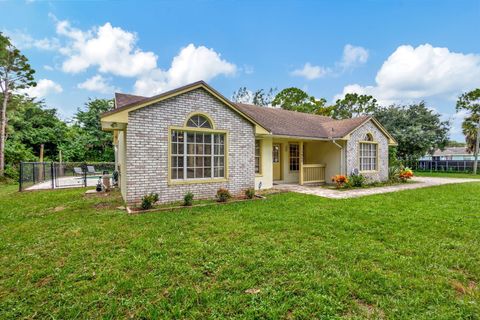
{"x":44,"y":281}
{"x":366,"y":310}
{"x":462,"y":289}
{"x":59,"y":208}
{"x":252,"y":291}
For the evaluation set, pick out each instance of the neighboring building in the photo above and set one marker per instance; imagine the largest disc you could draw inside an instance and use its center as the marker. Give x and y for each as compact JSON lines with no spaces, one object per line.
{"x":194,"y":139}
{"x":450,"y":153}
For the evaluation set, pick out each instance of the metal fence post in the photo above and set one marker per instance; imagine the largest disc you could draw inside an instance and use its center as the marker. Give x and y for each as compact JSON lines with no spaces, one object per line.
{"x":52,"y":174}
{"x":20,"y":177}
{"x":85,"y":174}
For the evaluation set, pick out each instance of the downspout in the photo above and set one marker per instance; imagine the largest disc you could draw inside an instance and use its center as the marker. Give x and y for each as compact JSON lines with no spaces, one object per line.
{"x":332,"y":140}
{"x":341,"y":154}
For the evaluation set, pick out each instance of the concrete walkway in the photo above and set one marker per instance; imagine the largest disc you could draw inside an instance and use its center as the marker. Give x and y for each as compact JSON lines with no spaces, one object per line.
{"x":420,"y":182}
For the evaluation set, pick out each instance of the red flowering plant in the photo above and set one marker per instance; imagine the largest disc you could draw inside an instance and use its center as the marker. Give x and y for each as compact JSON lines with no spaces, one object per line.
{"x":340,"y":180}
{"x":406,"y":174}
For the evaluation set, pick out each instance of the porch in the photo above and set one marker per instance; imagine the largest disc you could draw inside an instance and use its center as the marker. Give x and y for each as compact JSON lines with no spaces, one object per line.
{"x":305,"y":162}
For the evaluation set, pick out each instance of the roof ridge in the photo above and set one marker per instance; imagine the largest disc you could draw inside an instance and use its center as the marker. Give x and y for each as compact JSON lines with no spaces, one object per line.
{"x":284,"y":110}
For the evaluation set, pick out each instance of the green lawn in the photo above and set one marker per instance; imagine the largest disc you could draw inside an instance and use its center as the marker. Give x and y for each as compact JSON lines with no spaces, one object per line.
{"x":408,"y":255}
{"x":447,"y":174}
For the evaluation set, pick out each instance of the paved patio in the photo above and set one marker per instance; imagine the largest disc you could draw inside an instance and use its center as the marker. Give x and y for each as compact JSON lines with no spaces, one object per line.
{"x":420,"y":182}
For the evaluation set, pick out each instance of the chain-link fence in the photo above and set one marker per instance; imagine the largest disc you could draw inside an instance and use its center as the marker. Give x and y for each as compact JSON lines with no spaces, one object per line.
{"x":53,"y":175}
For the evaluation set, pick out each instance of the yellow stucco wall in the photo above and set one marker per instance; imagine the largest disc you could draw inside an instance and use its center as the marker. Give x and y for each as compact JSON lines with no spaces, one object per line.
{"x":325,"y":152}
{"x":266,"y":176}
{"x":122,"y":159}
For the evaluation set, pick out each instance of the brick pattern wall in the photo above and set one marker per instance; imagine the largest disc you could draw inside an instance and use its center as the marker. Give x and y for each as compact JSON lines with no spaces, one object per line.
{"x":352,"y":154}
{"x":147,"y":147}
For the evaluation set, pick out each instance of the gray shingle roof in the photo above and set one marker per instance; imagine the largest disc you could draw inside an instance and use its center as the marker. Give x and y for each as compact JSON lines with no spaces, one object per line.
{"x":298,"y":124}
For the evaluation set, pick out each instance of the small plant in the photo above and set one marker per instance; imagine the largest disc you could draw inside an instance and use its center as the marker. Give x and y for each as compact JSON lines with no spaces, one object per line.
{"x":356,"y":180}
{"x":250,"y":193}
{"x":394,"y":174}
{"x":406,"y":174}
{"x":188,"y":199}
{"x":340,"y":180}
{"x":223,"y":195}
{"x":149,"y":200}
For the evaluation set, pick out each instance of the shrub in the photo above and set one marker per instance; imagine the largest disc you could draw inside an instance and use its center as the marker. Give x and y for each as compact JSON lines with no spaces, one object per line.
{"x":149,"y":200}
{"x":394,"y":174}
{"x":223,"y":195}
{"x":356,"y":180}
{"x":188,"y":199}
{"x":406,"y":174}
{"x":250,"y":193}
{"x":340,"y":180}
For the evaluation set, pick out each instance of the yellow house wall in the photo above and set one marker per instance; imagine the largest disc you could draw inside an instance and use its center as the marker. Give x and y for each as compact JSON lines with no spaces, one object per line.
{"x":266,"y":176}
{"x":327,"y":153}
{"x":122,"y":159}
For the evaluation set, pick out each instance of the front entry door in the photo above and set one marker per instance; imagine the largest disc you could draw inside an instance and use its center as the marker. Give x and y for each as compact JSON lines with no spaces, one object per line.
{"x":277,"y":161}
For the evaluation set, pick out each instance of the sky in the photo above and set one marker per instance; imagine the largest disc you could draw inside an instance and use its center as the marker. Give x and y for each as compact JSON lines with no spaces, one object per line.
{"x":397,"y":51}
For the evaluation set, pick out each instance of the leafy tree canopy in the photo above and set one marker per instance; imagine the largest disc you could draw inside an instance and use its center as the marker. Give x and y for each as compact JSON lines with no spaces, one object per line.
{"x":470,"y":102}
{"x":295,"y":99}
{"x":259,"y":97}
{"x":417,"y":129}
{"x":354,"y":105}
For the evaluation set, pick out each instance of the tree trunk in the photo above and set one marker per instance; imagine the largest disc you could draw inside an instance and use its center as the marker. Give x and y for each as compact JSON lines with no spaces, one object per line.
{"x":477,"y":145}
{"x":3,"y":125}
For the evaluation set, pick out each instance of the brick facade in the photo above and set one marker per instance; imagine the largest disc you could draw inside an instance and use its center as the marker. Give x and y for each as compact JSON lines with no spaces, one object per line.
{"x":147,"y":147}
{"x":352,"y":154}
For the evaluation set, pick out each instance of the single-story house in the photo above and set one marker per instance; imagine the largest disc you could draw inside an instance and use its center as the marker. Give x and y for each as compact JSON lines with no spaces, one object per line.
{"x":450,"y":153}
{"x":194,"y":139}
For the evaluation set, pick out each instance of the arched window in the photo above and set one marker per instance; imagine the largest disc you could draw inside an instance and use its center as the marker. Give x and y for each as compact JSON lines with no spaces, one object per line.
{"x":368,"y":154}
{"x":369,"y":137}
{"x":199,"y":121}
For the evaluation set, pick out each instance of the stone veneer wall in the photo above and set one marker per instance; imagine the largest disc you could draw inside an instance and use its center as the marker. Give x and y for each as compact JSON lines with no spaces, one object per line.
{"x":147,"y":147}
{"x":352,"y":154}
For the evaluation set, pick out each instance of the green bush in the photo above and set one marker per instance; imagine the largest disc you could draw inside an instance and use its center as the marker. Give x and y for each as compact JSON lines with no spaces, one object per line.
{"x":149,"y":200}
{"x":394,"y":174}
{"x":250,"y":193}
{"x":356,"y":180}
{"x":223,"y":195}
{"x":188,"y":199}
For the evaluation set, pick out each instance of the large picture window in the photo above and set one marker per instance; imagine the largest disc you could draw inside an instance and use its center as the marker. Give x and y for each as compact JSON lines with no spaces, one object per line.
{"x":294,"y":157}
{"x":197,"y":154}
{"x":258,"y":156}
{"x":368,"y":155}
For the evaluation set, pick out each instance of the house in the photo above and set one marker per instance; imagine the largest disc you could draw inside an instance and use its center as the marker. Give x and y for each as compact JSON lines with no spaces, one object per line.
{"x":194,"y":139}
{"x":450,"y":153}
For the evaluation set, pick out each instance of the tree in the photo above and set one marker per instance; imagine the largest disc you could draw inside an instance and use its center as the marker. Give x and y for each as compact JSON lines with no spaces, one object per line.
{"x":295,"y":99}
{"x":354,"y":105}
{"x":259,"y":97}
{"x":15,"y":74}
{"x":86,"y":139}
{"x":417,"y":129}
{"x":470,"y":102}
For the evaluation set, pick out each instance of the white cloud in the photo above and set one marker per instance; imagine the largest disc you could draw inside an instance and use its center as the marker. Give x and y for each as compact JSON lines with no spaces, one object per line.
{"x":48,"y":68}
{"x":310,"y":72}
{"x":111,"y":49}
{"x":44,"y":87}
{"x":23,"y":40}
{"x":411,"y":74}
{"x":353,"y":56}
{"x":191,"y":64}
{"x":97,"y":83}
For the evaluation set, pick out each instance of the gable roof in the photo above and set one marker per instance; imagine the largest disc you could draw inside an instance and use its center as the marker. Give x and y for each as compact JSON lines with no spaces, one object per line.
{"x":130,"y":102}
{"x":123,"y":99}
{"x":274,"y":121}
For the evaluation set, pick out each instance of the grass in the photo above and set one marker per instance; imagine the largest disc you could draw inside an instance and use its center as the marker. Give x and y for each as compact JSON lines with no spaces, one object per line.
{"x":447,"y":174}
{"x":411,"y":254}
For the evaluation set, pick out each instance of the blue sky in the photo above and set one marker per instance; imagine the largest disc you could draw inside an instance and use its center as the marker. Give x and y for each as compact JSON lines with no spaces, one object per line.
{"x":398,"y":51}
